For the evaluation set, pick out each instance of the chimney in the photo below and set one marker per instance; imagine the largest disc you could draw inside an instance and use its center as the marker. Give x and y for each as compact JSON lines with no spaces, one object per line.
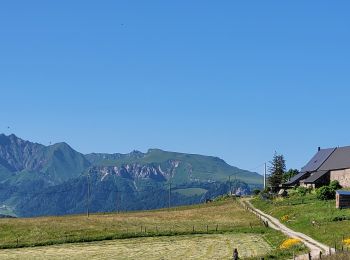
{"x":319,"y":148}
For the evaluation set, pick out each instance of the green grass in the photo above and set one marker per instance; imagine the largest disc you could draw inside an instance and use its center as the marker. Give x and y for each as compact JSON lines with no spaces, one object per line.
{"x":222,"y":218}
{"x":302,"y":212}
{"x":219,"y":246}
{"x":191,"y":191}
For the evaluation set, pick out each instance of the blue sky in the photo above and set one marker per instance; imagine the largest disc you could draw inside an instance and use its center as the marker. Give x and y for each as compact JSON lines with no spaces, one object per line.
{"x":234,"y":79}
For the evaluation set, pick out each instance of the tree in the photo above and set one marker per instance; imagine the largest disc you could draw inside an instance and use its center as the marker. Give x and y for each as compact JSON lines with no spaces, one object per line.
{"x":276,"y":169}
{"x":289,"y":174}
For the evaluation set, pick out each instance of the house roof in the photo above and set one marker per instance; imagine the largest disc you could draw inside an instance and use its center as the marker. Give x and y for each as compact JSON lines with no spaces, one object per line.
{"x":343,"y":192}
{"x":318,"y":160}
{"x":339,"y":159}
{"x":296,"y":178}
{"x":315,"y":176}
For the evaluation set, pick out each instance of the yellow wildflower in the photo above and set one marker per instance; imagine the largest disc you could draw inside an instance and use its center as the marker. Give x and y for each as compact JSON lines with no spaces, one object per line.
{"x":290,"y":242}
{"x":346,"y":242}
{"x":285,"y":218}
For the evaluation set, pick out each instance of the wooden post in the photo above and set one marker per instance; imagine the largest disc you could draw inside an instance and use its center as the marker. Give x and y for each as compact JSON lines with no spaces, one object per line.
{"x":207,"y":229}
{"x":320,"y":255}
{"x":193,"y":229}
{"x":216,"y":227}
{"x":17,"y":242}
{"x":309,"y":255}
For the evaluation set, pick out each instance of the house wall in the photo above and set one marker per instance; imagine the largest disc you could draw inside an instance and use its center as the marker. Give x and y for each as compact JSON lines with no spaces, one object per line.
{"x":343,"y":176}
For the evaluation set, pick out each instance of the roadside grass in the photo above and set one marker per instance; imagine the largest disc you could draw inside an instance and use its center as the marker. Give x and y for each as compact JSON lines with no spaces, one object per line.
{"x":318,"y":219}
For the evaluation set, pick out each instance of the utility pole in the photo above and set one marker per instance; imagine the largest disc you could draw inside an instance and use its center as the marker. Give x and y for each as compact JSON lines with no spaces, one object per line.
{"x":88,"y":195}
{"x":169,"y":195}
{"x":229,"y":182}
{"x":235,"y":183}
{"x":264,"y":176}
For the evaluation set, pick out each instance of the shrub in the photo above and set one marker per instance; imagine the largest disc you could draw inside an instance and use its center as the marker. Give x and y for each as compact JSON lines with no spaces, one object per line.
{"x":334,"y":185}
{"x":341,"y":218}
{"x":256,"y":192}
{"x":290,"y":242}
{"x":302,"y":191}
{"x":325,"y":193}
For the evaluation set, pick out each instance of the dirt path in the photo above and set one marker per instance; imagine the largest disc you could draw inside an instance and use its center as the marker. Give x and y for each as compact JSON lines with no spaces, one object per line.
{"x":314,"y":246}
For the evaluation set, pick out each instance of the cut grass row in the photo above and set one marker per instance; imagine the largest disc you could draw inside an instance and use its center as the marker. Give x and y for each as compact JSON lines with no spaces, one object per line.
{"x":179,"y":247}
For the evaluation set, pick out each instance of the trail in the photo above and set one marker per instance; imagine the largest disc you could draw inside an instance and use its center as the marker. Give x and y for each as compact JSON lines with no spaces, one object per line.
{"x":314,"y":246}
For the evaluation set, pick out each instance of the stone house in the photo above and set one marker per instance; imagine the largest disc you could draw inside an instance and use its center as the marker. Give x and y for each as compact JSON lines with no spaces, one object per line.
{"x":325,"y":166}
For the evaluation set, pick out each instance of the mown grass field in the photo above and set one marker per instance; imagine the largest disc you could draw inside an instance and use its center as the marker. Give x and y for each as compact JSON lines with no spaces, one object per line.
{"x":198,"y":232}
{"x":177,"y":247}
{"x":318,"y":219}
{"x":220,"y":216}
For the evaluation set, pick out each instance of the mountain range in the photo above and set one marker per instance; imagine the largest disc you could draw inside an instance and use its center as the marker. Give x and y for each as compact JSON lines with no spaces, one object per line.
{"x":38,"y":180}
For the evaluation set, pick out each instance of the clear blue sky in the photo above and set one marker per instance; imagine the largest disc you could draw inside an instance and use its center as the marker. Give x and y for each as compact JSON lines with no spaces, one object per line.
{"x":234,"y":79}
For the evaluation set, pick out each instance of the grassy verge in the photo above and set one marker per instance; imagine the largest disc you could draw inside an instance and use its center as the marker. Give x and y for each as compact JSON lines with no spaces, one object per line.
{"x":318,"y":219}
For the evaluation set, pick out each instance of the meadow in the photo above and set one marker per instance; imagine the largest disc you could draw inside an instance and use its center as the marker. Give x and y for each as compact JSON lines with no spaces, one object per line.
{"x":207,"y":231}
{"x":316,"y":218}
{"x":218,"y":246}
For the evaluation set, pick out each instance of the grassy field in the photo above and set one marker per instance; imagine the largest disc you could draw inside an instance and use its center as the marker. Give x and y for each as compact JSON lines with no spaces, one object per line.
{"x":180,"y":247}
{"x":201,"y":231}
{"x":220,"y":216}
{"x":318,"y":219}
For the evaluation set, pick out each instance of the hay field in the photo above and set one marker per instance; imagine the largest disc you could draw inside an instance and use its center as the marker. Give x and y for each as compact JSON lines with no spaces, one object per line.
{"x":214,"y":246}
{"x":226,"y":215}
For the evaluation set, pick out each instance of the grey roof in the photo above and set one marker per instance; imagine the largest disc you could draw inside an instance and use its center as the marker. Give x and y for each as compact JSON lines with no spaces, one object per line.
{"x":296,"y":178}
{"x":343,"y":192}
{"x":318,"y":160}
{"x":339,"y":159}
{"x":315,"y":176}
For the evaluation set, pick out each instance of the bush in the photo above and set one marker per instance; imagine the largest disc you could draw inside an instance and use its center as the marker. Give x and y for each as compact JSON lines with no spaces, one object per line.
{"x":325,"y":193}
{"x":334,"y":185}
{"x":302,"y":191}
{"x":256,"y":192}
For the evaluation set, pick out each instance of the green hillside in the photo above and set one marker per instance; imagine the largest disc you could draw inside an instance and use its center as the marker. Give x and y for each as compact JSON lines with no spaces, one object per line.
{"x":196,"y":167}
{"x":37,"y":180}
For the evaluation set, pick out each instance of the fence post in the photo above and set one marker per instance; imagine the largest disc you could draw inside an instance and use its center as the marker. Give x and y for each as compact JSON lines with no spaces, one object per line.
{"x":309,"y":255}
{"x":216,"y":228}
{"x":207,"y":229}
{"x":193,"y":229}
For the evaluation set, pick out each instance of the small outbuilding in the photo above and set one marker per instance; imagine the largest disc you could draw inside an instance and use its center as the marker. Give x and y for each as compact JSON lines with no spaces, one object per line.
{"x":342,"y":199}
